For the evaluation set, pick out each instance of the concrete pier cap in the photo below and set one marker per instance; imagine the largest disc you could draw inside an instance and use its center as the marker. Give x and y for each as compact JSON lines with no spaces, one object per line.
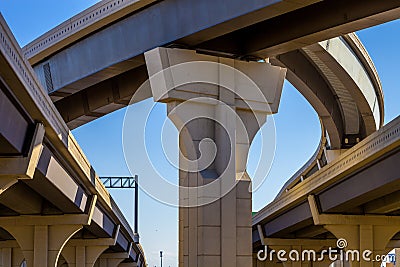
{"x":175,"y":75}
{"x":232,"y":97}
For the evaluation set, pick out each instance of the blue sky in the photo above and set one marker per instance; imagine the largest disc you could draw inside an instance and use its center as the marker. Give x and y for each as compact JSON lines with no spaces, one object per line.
{"x":297,"y":125}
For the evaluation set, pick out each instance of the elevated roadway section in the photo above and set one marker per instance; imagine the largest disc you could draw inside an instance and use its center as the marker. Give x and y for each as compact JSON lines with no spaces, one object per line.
{"x":355,"y":197}
{"x":93,"y":63}
{"x":53,"y":206}
{"x":95,"y":59}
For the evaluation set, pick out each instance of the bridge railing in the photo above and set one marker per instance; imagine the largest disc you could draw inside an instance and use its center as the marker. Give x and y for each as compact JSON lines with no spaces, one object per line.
{"x":350,"y":53}
{"x":86,"y":22}
{"x":355,"y":43}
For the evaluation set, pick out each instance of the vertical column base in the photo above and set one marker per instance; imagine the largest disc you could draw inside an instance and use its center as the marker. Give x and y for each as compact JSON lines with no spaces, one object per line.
{"x":219,"y":233}
{"x":41,"y":244}
{"x":85,"y":252}
{"x":10,"y":254}
{"x":82,"y":256}
{"x":365,"y":237}
{"x":111,"y":259}
{"x":361,"y":232}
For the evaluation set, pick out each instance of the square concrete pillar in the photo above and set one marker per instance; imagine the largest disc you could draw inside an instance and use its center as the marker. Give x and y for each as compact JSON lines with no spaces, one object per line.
{"x":217,"y":105}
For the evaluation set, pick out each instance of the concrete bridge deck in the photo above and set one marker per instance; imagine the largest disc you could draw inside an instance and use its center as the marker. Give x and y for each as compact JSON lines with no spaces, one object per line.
{"x":52,"y":203}
{"x":362,"y":183}
{"x":337,"y":76}
{"x":93,"y":63}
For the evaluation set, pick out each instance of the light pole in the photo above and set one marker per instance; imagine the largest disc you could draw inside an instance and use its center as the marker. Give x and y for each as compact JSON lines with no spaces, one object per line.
{"x":161,"y":257}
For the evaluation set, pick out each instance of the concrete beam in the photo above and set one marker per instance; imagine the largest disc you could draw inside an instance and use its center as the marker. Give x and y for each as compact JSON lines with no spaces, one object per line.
{"x":14,"y":127}
{"x":25,"y":166}
{"x":22,"y":199}
{"x":368,"y":184}
{"x":120,"y":52}
{"x":32,"y":220}
{"x":362,"y":232}
{"x":385,"y":204}
{"x":302,"y":27}
{"x":239,"y":29}
{"x":303,"y":75}
{"x":296,"y":218}
{"x":53,"y":181}
{"x":339,"y":219}
{"x":310,"y":232}
{"x":101,"y":99}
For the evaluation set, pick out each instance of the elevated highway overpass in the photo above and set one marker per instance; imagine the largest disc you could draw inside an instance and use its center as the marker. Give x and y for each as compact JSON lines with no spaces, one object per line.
{"x":93,"y":63}
{"x":53,"y":206}
{"x":109,"y":39}
{"x":355,"y":197}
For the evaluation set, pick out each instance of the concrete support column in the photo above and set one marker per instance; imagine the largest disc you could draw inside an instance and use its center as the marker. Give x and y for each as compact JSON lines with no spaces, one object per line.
{"x":324,"y":264}
{"x":397,"y":257}
{"x":10,"y":254}
{"x":108,"y":262}
{"x":266,"y":263}
{"x":365,"y":237}
{"x":128,"y":264}
{"x":360,"y":232}
{"x":340,"y":263}
{"x":218,"y":232}
{"x":111,"y":259}
{"x":85,"y":252}
{"x":82,"y":256}
{"x":41,"y":238}
{"x":218,"y":105}
{"x":41,"y":244}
